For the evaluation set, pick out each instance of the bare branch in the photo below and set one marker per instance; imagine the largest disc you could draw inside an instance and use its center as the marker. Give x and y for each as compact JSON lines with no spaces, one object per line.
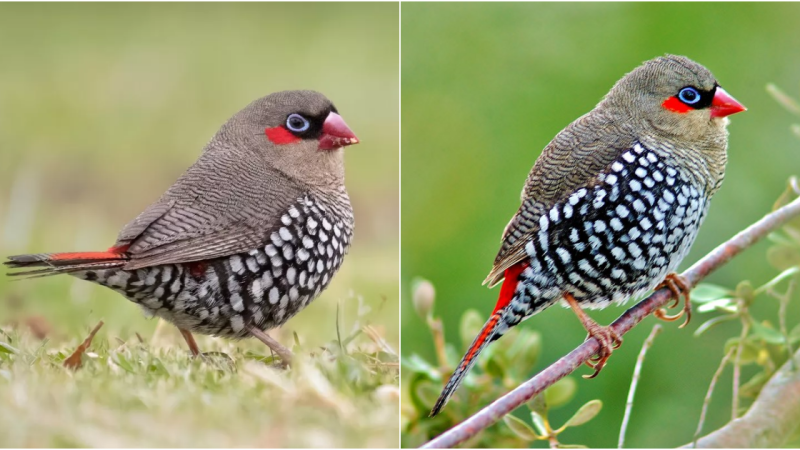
{"x":567,"y":364}
{"x":637,"y":371}
{"x":770,"y":420}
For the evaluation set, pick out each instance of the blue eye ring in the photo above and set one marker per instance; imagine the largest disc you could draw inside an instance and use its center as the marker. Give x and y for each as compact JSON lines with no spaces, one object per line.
{"x":689,"y":96}
{"x":297,"y":123}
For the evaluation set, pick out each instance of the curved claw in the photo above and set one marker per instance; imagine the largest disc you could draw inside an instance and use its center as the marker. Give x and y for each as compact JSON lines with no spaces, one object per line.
{"x":679,"y":288}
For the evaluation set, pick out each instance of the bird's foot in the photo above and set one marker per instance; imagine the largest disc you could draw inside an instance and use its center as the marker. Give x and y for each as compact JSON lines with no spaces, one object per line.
{"x":606,"y":337}
{"x":284,"y":353}
{"x":609,"y":341}
{"x":679,"y":288}
{"x":187,"y":336}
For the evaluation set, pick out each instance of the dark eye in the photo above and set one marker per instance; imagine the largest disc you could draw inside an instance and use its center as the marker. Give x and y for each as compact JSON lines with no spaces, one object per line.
{"x":297,"y":123}
{"x":689,"y":95}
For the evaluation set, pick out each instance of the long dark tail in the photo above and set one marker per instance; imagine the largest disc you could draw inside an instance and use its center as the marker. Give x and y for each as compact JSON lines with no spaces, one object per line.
{"x":491,"y":330}
{"x":46,"y":264}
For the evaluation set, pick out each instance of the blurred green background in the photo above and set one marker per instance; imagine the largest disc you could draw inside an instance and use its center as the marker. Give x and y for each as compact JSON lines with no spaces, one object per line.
{"x":486,"y":86}
{"x":103,"y":106}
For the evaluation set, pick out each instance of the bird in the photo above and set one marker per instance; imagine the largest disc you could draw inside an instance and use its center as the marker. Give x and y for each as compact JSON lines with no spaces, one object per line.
{"x":612,"y":205}
{"x":247,"y":237}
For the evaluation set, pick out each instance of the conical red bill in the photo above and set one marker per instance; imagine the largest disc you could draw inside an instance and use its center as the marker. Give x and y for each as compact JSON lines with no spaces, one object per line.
{"x":336,"y":133}
{"x":724,"y":105}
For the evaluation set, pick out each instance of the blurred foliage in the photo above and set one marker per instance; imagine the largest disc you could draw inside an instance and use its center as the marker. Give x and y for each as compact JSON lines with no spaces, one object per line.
{"x":102,"y":107}
{"x":486,"y":86}
{"x":499,"y":369}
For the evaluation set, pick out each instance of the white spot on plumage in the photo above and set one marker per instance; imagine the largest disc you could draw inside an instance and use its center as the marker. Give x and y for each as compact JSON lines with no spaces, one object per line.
{"x":293,"y":212}
{"x":640,"y":172}
{"x":256,"y":290}
{"x":320,"y":266}
{"x":611,"y":179}
{"x":543,"y":223}
{"x":276,"y":239}
{"x":658,"y":176}
{"x":638,"y":206}
{"x":236,"y":302}
{"x":286,"y":235}
{"x":322,"y":236}
{"x":291,"y":274}
{"x":652,"y":157}
{"x":598,"y":199}
{"x":628,"y":156}
{"x":639,"y":263}
{"x":302,"y":255}
{"x":307,"y":241}
{"x":237,"y":323}
{"x":293,"y":293}
{"x":616,"y":166}
{"x":311,"y":224}
{"x":668,"y":196}
{"x":635,"y":185}
{"x":286,"y":220}
{"x":622,"y":211}
{"x":634,"y":250}
{"x":270,"y":250}
{"x":274,"y":295}
{"x":236,"y":264}
{"x":564,"y":255}
{"x":634,"y":233}
{"x":288,"y":252}
{"x":618,"y":253}
{"x":554,"y":214}
{"x":266,"y":280}
{"x":252,"y":265}
{"x":599,"y":226}
{"x":567,"y":211}
{"x":573,"y":235}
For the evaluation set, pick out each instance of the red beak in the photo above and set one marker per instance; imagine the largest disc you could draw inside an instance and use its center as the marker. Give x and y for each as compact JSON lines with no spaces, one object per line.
{"x":724,"y":105}
{"x":336,"y":133}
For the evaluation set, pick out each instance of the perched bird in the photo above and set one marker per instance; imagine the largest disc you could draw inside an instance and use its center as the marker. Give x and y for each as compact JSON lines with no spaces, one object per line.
{"x":613,"y":203}
{"x":246,"y":238}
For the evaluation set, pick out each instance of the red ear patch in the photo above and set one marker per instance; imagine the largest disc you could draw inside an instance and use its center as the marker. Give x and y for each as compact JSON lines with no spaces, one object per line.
{"x":280,"y":135}
{"x":675,"y":105}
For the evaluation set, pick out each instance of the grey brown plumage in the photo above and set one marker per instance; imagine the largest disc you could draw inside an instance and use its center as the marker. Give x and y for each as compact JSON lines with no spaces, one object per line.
{"x":614,"y":202}
{"x":247,"y":236}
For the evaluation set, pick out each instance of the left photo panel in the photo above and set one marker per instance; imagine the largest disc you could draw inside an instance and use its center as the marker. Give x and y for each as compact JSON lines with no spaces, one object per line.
{"x":199,"y":224}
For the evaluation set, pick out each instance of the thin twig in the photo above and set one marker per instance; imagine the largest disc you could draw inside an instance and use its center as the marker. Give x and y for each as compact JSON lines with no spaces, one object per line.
{"x":635,"y":381}
{"x":707,"y":400}
{"x":783,"y":300}
{"x":770,"y":420}
{"x":567,"y":364}
{"x":737,"y":365}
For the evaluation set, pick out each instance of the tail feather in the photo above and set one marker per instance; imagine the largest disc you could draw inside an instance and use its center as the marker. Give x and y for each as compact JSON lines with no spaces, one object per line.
{"x":46,"y":264}
{"x":491,"y":330}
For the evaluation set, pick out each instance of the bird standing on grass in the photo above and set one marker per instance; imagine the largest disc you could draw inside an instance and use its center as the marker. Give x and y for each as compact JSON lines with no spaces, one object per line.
{"x":246,"y":238}
{"x":613,"y":204}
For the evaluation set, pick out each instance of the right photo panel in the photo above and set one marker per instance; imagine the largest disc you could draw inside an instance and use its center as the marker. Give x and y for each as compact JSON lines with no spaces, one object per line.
{"x":626,"y":177}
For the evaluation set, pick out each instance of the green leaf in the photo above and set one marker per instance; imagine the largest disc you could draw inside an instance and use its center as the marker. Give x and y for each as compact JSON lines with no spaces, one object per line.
{"x":749,"y":351}
{"x":723,"y":304}
{"x":8,"y":348}
{"x":783,"y":257}
{"x":571,"y":446}
{"x":585,"y":413}
{"x":768,"y":334}
{"x":520,"y":428}
{"x":539,"y":424}
{"x":705,"y":292}
{"x":416,"y":364}
{"x":538,"y":404}
{"x":494,"y":367}
{"x":707,"y":325}
{"x":561,"y":392}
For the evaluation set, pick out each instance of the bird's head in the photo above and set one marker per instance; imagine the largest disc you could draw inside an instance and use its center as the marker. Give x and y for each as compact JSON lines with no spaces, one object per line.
{"x":675,"y":96}
{"x":299,"y":133}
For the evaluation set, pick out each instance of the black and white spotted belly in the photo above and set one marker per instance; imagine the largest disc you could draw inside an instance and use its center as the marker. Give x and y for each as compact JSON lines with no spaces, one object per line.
{"x":264,"y":287}
{"x":614,"y":240}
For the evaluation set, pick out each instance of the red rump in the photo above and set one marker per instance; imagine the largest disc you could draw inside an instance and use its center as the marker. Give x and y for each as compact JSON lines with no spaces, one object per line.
{"x":80,"y":256}
{"x":197,"y":268}
{"x":280,"y":135}
{"x":509,"y":285}
{"x":675,"y":105}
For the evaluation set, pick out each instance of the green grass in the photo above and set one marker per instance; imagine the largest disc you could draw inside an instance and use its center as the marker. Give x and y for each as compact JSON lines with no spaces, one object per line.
{"x":132,"y":393}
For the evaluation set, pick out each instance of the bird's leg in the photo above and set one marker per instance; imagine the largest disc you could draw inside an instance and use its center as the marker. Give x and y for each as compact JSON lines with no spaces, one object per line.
{"x":283,"y":352}
{"x":679,"y":288}
{"x":606,"y":336}
{"x":187,"y":336}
